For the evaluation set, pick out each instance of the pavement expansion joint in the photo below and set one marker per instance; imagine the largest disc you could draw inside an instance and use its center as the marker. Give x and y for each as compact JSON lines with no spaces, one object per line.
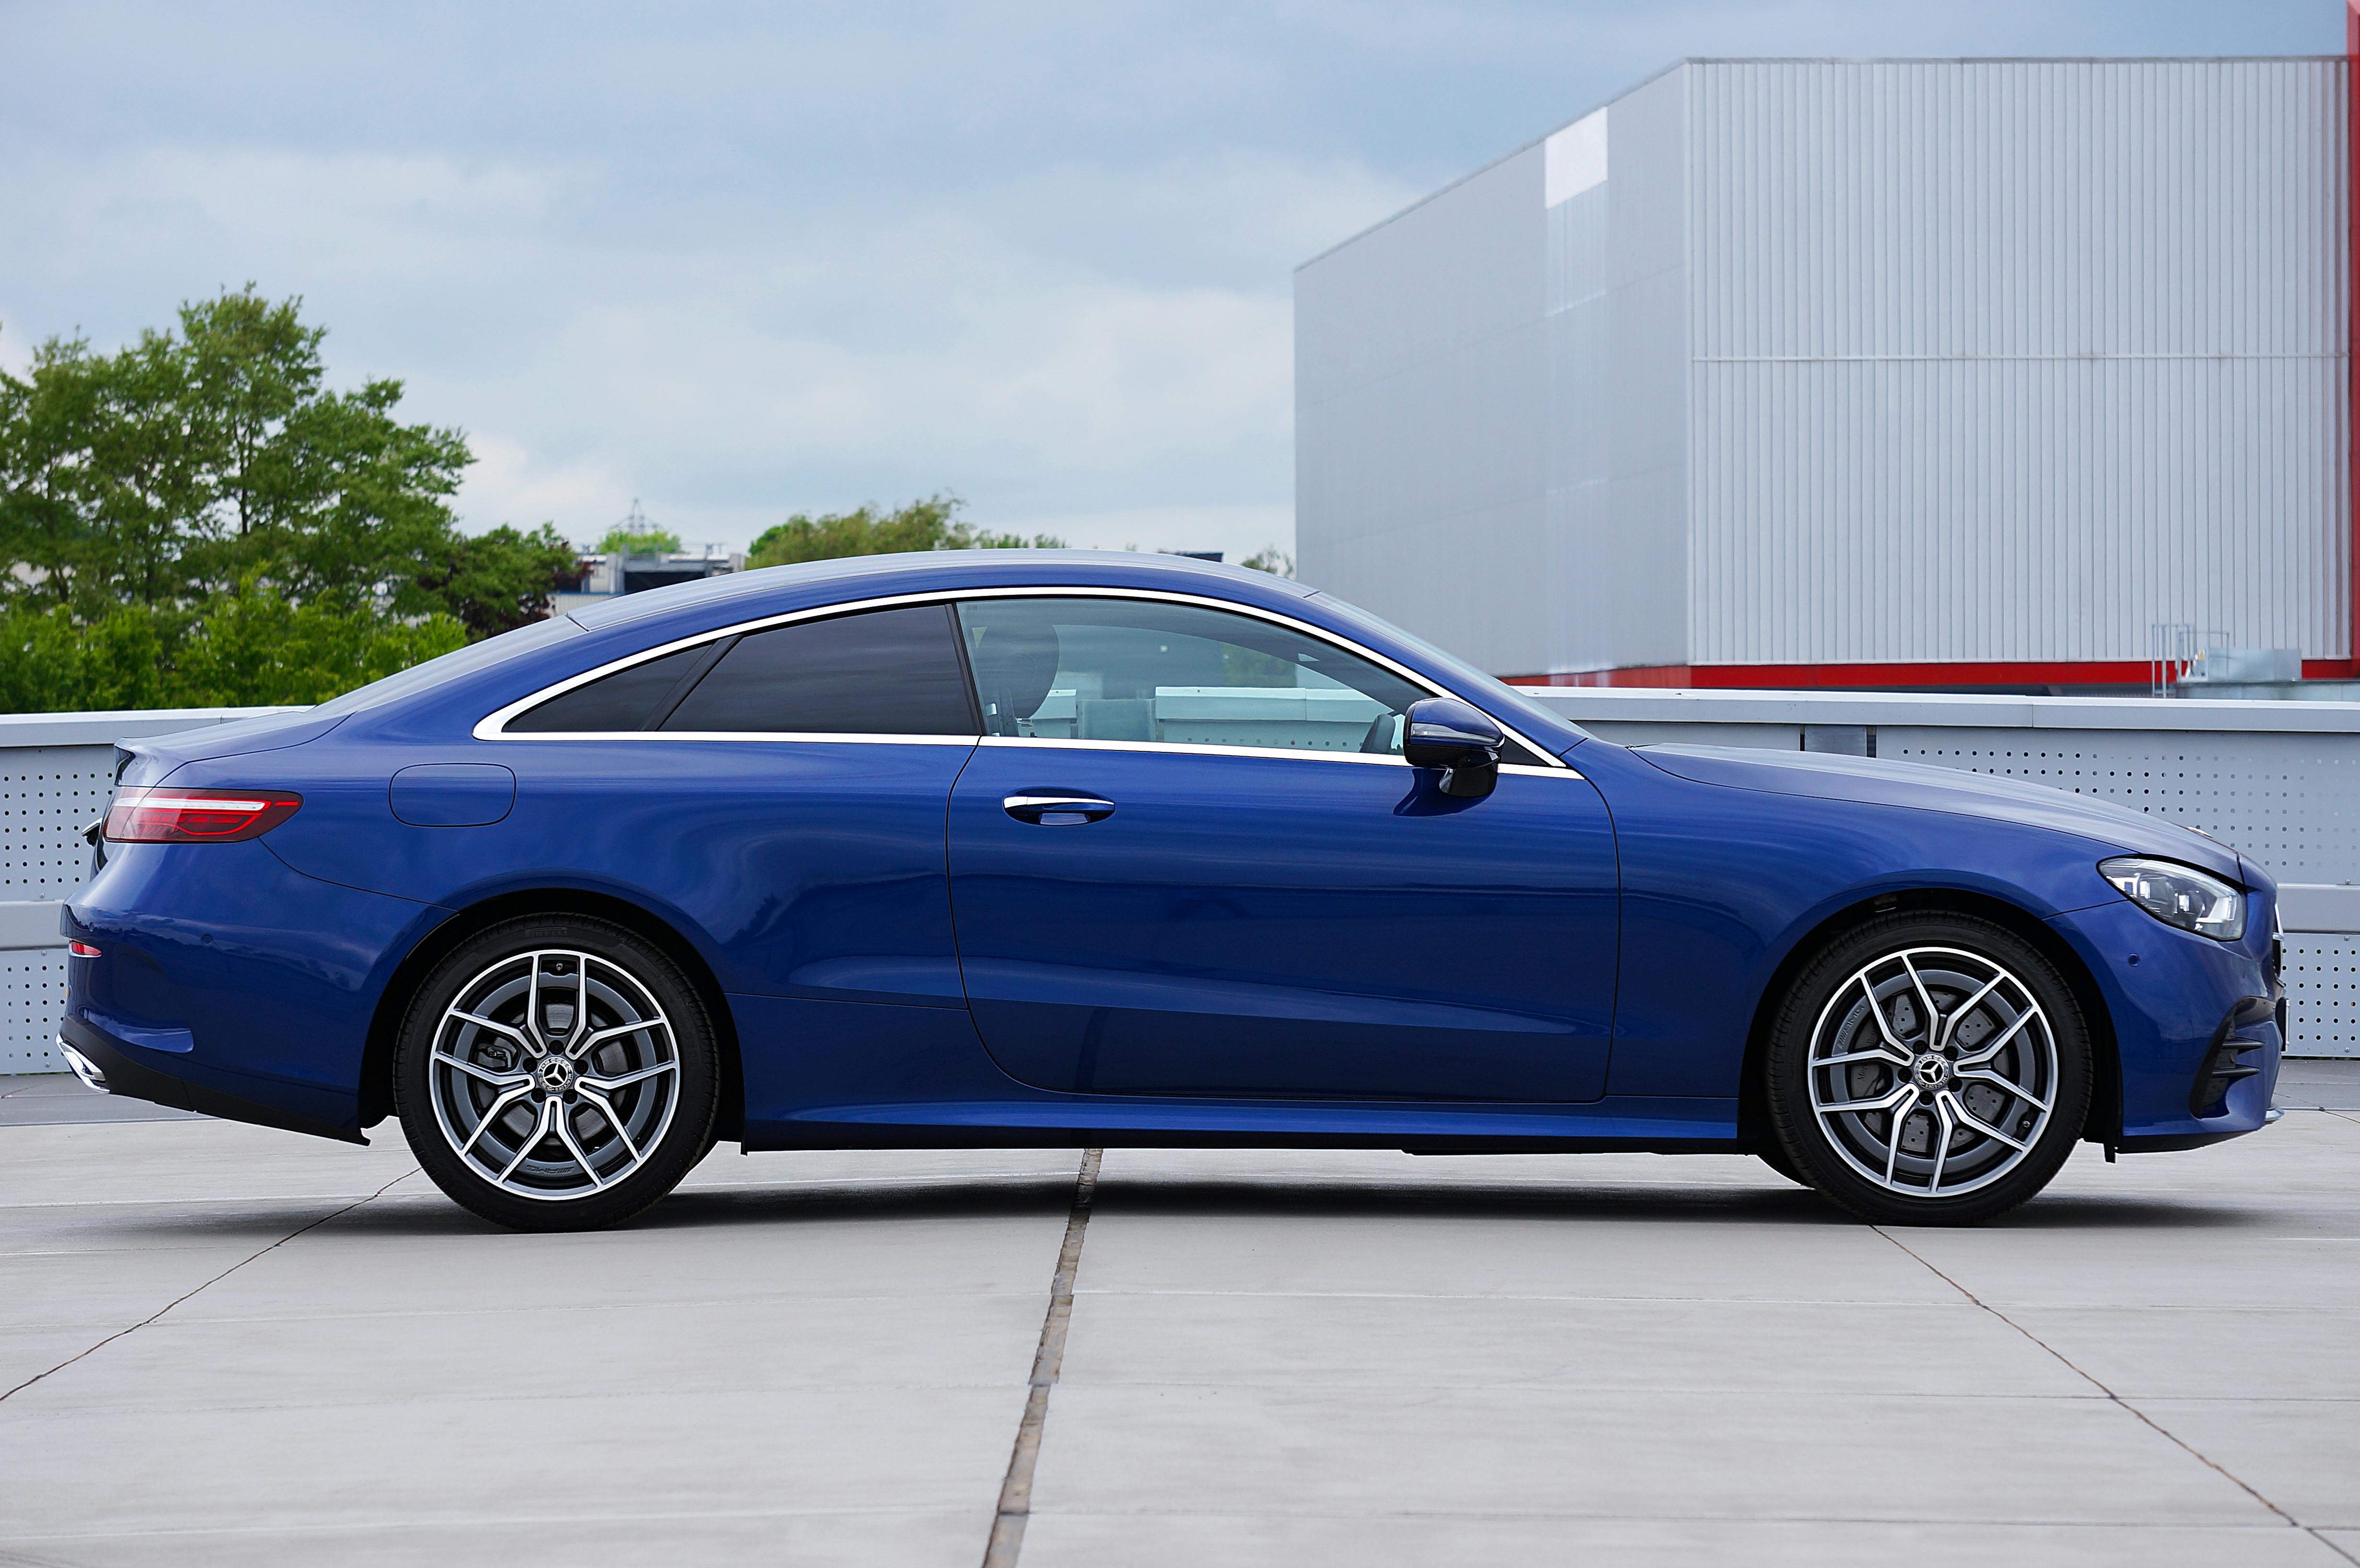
{"x":1007,"y":1543}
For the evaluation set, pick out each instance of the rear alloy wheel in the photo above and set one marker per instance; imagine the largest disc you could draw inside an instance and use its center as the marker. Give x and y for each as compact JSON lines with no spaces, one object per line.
{"x":556,"y":1074}
{"x":1929,"y":1068}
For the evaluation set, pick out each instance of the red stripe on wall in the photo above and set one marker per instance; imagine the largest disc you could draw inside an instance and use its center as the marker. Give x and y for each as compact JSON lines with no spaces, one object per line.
{"x":1853,"y":677}
{"x":2352,"y":293}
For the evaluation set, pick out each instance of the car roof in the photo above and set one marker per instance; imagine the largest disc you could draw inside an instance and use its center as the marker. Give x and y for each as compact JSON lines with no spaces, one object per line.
{"x":460,"y":688}
{"x":920,"y":573}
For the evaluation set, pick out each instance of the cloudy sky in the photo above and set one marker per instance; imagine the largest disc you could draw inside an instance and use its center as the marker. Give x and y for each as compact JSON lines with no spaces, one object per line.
{"x":736,"y":261}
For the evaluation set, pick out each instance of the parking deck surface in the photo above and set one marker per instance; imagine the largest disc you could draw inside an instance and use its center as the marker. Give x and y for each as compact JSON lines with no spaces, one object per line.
{"x":231,"y":1346}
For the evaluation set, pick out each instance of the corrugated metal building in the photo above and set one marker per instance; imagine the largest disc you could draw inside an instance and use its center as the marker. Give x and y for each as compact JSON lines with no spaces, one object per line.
{"x":1855,"y":372}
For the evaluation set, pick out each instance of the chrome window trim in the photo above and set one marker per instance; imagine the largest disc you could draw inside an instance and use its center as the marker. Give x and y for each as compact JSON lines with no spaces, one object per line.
{"x":493,"y":727}
{"x":839,"y":737}
{"x":1062,"y":743}
{"x":1185,"y":748}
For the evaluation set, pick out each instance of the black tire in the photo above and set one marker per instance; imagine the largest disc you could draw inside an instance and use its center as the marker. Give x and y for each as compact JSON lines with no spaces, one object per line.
{"x":1776,"y":1157}
{"x":1886,"y":1091}
{"x":597,"y":1108}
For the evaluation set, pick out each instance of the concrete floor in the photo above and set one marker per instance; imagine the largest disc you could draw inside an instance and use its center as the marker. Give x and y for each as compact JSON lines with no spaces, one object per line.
{"x":230,"y":1345}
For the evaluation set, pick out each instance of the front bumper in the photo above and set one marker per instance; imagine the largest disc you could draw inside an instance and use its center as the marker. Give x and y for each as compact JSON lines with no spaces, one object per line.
{"x":2175,"y":1001}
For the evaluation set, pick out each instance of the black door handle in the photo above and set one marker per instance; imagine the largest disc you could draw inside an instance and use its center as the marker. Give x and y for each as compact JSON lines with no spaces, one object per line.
{"x":1058,"y":811}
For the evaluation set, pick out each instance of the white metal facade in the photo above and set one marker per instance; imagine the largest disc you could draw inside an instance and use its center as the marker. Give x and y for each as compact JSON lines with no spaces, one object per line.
{"x":1804,"y":361}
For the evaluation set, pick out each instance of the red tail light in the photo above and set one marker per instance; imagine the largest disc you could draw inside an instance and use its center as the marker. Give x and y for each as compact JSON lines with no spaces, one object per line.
{"x":82,"y":950}
{"x":197,"y":816}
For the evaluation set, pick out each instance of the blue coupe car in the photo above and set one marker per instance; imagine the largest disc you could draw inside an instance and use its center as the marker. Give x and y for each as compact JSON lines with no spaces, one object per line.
{"x":1021,"y":848}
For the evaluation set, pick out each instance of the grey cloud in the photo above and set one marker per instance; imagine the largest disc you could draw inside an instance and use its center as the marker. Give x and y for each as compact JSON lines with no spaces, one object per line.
{"x":736,"y":260}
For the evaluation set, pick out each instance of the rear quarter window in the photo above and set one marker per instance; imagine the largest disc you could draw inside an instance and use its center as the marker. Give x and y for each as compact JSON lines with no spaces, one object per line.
{"x":878,"y":672}
{"x":634,"y":698}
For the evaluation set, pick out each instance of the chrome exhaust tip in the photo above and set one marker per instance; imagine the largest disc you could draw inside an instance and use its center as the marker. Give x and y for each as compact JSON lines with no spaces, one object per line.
{"x":83,"y":1067}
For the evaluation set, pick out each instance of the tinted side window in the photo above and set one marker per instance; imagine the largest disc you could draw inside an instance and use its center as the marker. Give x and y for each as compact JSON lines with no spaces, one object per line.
{"x":880,"y":672}
{"x":633,"y":698}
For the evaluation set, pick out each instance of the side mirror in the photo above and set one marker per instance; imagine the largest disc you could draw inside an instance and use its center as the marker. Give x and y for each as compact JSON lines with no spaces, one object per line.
{"x":1458,"y":738}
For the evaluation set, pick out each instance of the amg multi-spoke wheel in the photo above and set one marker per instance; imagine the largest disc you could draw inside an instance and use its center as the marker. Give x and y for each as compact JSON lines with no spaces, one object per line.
{"x":1929,"y":1068}
{"x":556,"y":1074}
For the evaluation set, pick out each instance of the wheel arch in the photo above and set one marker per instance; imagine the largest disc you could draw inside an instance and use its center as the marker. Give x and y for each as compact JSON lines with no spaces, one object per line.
{"x":393,"y":1003}
{"x":2104,"y":1119}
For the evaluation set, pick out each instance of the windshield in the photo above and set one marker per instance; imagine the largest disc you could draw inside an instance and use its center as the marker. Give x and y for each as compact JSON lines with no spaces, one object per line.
{"x":451,"y":666}
{"x":1503,"y":700}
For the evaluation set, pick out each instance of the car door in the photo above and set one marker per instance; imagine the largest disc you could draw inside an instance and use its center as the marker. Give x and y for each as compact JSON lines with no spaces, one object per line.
{"x":1188,"y":859}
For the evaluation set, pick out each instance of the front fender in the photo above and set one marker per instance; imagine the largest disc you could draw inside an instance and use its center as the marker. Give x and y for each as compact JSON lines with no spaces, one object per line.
{"x":1721,"y":885}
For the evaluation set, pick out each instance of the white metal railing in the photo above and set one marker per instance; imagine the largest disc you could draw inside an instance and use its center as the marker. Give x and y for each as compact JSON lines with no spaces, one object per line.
{"x":2280,"y":780}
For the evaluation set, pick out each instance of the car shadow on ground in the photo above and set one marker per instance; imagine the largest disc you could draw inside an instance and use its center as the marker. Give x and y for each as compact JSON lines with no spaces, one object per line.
{"x":786,"y":1205}
{"x":1608,"y":1203}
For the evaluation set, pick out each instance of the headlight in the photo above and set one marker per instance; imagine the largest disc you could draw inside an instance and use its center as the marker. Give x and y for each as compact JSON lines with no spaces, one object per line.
{"x":2179,"y":895}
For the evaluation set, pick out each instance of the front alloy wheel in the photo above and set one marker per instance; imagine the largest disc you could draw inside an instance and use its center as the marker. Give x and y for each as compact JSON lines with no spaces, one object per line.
{"x":1929,"y":1068}
{"x":556,"y":1074}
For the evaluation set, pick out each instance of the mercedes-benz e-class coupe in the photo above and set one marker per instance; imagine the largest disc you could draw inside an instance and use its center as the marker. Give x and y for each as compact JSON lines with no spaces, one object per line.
{"x":1015,"y":847}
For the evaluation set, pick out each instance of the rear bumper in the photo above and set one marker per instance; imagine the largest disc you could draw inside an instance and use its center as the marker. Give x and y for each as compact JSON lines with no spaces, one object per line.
{"x":118,"y":1065}
{"x":228,"y":983}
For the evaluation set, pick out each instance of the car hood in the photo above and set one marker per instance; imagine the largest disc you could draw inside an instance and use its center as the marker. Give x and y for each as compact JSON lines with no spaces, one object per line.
{"x":1872,"y":782}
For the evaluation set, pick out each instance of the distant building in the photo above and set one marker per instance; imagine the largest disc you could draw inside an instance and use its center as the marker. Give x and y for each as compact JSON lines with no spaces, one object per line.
{"x":605,"y":575}
{"x":2003,"y":373}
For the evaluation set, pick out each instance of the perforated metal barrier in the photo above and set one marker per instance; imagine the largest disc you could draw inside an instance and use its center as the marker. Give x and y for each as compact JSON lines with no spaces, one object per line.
{"x":2290,"y":801}
{"x":32,"y":995}
{"x":46,"y":794}
{"x":56,"y":773}
{"x":2279,"y":780}
{"x":2323,"y":981}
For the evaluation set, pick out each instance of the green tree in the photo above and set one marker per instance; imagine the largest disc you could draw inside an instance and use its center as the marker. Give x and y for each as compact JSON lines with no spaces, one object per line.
{"x":495,"y":582}
{"x":258,"y":646}
{"x":930,"y":524}
{"x":247,"y":648}
{"x":197,"y":517}
{"x":1273,"y":560}
{"x":92,"y":479}
{"x":189,"y":462}
{"x":51,"y":662}
{"x":624,"y":540}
